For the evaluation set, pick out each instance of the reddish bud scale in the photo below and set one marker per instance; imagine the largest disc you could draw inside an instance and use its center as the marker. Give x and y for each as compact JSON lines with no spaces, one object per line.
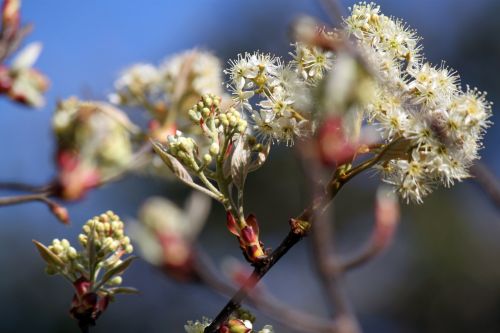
{"x":386,"y":221}
{"x":248,"y":237}
{"x":5,"y":79}
{"x":159,"y":132}
{"x":75,"y":178}
{"x":87,"y":306}
{"x":333,"y":145}
{"x":178,"y":257}
{"x":60,"y":212}
{"x":10,"y":16}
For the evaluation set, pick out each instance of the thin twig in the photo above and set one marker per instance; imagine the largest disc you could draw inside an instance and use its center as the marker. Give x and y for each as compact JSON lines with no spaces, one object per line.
{"x":14,"y":200}
{"x":293,"y":237}
{"x":325,"y":259}
{"x":333,"y":9}
{"x":317,"y":207}
{"x":17,"y":186}
{"x":266,"y":303}
{"x":487,"y":180}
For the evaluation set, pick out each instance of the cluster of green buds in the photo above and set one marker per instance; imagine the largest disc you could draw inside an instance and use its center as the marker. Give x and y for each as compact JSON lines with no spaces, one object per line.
{"x":217,"y":124}
{"x":94,"y":271}
{"x":93,"y":144}
{"x":219,"y":127}
{"x":106,"y":231}
{"x":213,"y":119}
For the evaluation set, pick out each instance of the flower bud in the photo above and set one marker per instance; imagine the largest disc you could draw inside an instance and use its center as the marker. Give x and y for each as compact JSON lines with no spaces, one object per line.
{"x":214,"y":149}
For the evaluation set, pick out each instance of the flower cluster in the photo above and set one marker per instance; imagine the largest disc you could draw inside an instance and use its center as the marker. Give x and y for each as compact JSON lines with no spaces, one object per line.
{"x":423,"y":104}
{"x":310,"y":61}
{"x":93,"y":143}
{"x":280,"y":92}
{"x":95,"y":271}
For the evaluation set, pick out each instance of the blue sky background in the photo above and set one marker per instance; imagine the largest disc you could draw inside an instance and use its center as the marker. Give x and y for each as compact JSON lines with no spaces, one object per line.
{"x":88,"y":43}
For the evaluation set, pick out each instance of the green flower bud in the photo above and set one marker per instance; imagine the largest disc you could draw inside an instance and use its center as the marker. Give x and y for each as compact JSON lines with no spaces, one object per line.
{"x":207,"y":158}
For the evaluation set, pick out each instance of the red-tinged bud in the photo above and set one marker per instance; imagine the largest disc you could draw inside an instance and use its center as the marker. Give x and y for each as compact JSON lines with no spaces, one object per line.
{"x":10,"y":16}
{"x":87,"y":306}
{"x":159,"y":132}
{"x":178,"y":257}
{"x":238,"y":326}
{"x":5,"y":79}
{"x":248,"y":236}
{"x":252,"y":221}
{"x":28,"y":87}
{"x":386,"y":218}
{"x":75,"y":178}
{"x":82,"y":286}
{"x":231,"y":224}
{"x":251,"y":246}
{"x":60,"y":212}
{"x":334,"y":146}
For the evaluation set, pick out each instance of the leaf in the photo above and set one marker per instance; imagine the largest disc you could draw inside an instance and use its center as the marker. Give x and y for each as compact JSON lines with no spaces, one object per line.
{"x":173,"y":164}
{"x":240,"y":161}
{"x":398,"y":149}
{"x":123,"y":290}
{"x":117,"y":270}
{"x":261,"y":158}
{"x":47,"y":255}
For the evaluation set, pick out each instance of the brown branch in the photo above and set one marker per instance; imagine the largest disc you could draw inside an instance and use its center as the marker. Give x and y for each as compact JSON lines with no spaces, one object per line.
{"x":330,"y":274}
{"x":17,"y":186}
{"x":323,"y":252}
{"x":488,"y":182}
{"x":333,"y":9}
{"x":317,"y":207}
{"x":293,"y":237}
{"x":266,"y":303}
{"x":19,"y":199}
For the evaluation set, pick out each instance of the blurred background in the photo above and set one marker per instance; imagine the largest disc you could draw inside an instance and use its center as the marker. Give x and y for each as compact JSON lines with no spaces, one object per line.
{"x":442,"y":273}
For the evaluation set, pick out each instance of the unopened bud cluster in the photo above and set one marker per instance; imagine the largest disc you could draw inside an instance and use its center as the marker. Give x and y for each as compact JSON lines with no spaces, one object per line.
{"x":107,"y":234}
{"x":66,"y":253}
{"x":103,"y":244}
{"x":218,"y":126}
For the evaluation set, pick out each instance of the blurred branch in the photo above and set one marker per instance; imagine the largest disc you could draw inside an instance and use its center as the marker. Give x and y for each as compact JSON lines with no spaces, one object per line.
{"x":325,"y":259}
{"x":299,"y":227}
{"x":330,"y":273}
{"x":9,"y":45}
{"x":19,"y":199}
{"x":17,"y":186}
{"x":292,"y":238}
{"x":333,"y":9}
{"x":488,"y":182}
{"x":266,"y":303}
